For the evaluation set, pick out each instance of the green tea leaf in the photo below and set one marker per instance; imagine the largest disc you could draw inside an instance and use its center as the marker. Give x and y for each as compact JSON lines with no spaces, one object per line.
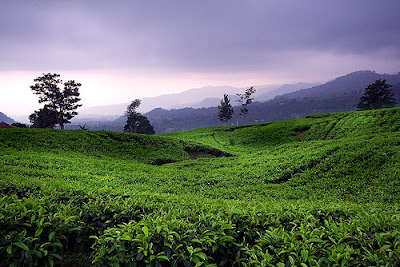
{"x":304,"y":255}
{"x":315,"y":240}
{"x":201,"y":255}
{"x":126,"y":237}
{"x":163,"y":258}
{"x":50,"y":261}
{"x":51,"y":235}
{"x":236,"y":211}
{"x":55,"y":255}
{"x":22,"y":245}
{"x":94,"y":237}
{"x":39,"y":231}
{"x":215,"y":248}
{"x":9,"y":249}
{"x":145,"y":230}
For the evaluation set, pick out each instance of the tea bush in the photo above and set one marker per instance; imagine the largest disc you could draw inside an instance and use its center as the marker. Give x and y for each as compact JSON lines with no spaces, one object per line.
{"x":264,"y":196}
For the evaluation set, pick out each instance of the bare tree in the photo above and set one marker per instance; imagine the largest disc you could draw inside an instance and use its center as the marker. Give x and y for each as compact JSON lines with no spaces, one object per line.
{"x":244,"y":100}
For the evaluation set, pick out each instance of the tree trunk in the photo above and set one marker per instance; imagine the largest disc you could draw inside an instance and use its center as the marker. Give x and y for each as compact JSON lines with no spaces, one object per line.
{"x":61,"y":121}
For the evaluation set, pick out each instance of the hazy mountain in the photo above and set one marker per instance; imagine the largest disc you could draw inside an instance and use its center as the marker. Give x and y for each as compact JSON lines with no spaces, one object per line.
{"x":340,"y":94}
{"x":115,"y":109}
{"x":286,"y":88}
{"x":203,"y":97}
{"x":192,"y":97}
{"x":205,"y":103}
{"x":353,"y":83}
{"x":196,"y":97}
{"x":5,"y":118}
{"x":210,"y":96}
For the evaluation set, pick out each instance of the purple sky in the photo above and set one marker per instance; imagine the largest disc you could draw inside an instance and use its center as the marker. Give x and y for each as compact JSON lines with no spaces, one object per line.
{"x":121,"y":50}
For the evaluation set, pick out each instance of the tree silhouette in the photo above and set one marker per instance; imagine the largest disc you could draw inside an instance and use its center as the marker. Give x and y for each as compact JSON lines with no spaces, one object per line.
{"x":44,"y":118}
{"x":377,"y":95}
{"x":225,"y":109}
{"x":135,"y":122}
{"x":244,"y":100}
{"x":62,"y":102}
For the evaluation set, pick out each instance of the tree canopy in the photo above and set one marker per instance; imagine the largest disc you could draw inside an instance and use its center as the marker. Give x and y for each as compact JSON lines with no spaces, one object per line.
{"x":225,"y":109}
{"x":377,"y":95}
{"x":62,"y":103}
{"x":44,"y":118}
{"x":131,"y":108}
{"x":136,"y":122}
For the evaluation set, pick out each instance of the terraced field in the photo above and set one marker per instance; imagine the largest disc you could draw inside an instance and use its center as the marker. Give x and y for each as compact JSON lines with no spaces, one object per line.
{"x":319,"y":191}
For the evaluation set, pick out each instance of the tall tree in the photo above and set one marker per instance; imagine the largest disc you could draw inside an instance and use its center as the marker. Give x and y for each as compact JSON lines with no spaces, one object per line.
{"x":377,"y":95}
{"x":136,"y":122}
{"x":225,"y":109}
{"x":244,"y":100}
{"x":62,"y":102}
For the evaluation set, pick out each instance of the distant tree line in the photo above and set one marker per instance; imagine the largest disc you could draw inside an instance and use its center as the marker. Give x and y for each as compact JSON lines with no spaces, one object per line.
{"x":279,"y":108}
{"x":61,"y":104}
{"x":225,"y":109}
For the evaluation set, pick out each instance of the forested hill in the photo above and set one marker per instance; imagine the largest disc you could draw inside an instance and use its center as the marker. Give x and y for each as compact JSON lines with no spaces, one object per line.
{"x":5,"y":118}
{"x":353,"y":83}
{"x":341,"y":94}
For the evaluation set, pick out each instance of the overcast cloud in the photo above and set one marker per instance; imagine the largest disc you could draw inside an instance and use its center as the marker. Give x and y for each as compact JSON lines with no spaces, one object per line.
{"x":191,"y":35}
{"x":290,"y":39}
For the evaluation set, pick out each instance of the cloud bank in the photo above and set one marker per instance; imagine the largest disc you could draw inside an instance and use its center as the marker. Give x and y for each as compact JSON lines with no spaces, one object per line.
{"x":204,"y":36}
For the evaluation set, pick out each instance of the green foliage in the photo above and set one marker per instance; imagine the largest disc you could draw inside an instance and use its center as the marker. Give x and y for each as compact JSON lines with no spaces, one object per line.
{"x":33,"y":233}
{"x":99,"y":145}
{"x":159,"y":239}
{"x":265,"y":197}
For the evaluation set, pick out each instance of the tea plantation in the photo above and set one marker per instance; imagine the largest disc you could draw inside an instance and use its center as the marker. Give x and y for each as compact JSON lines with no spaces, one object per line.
{"x":319,"y":191}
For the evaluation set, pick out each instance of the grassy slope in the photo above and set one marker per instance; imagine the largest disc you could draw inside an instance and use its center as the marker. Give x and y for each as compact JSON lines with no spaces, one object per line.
{"x":343,"y":166}
{"x":351,"y":156}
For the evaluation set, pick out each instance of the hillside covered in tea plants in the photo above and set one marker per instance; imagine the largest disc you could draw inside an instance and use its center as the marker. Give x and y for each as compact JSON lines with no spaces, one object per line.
{"x":319,"y":191}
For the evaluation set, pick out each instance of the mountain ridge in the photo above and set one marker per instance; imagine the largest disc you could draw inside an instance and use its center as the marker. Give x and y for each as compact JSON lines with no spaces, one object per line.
{"x":340,"y":85}
{"x":207,"y":96}
{"x":339,"y":95}
{"x":6,"y":119}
